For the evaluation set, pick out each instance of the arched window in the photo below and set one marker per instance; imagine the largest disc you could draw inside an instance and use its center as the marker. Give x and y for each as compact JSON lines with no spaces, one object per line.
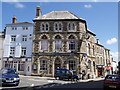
{"x":72,"y":65}
{"x":47,"y":27}
{"x":98,"y":60}
{"x":58,"y":43}
{"x":89,"y":64}
{"x":71,"y":26}
{"x":44,"y":43}
{"x":43,"y":65}
{"x":44,"y":27}
{"x":71,"y":42}
{"x":57,"y":26}
{"x":88,"y":48}
{"x":101,"y":60}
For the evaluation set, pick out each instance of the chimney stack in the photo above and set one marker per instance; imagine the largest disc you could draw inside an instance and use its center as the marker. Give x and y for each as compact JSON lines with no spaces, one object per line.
{"x":38,"y":12}
{"x":14,"y":19}
{"x":98,"y":41}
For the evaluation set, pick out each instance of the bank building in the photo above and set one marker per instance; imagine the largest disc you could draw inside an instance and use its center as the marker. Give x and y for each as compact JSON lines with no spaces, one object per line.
{"x":62,"y":40}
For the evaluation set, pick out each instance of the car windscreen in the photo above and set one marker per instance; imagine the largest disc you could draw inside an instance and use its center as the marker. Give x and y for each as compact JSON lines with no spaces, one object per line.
{"x":8,"y":71}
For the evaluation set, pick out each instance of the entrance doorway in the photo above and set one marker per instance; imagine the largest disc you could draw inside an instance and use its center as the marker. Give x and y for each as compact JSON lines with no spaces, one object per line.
{"x":57,"y":63}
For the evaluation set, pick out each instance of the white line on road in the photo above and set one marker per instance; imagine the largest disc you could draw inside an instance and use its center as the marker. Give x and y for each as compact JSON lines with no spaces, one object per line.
{"x":50,"y":81}
{"x":32,"y":85}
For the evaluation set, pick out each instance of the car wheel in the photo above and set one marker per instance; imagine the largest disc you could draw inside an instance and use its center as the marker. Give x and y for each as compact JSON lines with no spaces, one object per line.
{"x":17,"y":84}
{"x":56,"y":78}
{"x":60,"y":78}
{"x":105,"y":88}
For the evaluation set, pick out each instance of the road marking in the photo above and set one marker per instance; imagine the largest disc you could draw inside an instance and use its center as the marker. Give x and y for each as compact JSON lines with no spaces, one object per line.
{"x":37,"y":80}
{"x":32,"y":85}
{"x":50,"y":81}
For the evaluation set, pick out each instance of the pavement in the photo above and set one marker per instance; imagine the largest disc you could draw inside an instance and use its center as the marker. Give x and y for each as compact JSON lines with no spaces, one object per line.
{"x":52,"y":78}
{"x":38,"y":82}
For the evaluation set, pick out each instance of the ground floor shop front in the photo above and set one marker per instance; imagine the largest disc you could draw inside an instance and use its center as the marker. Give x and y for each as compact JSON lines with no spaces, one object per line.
{"x":46,"y":64}
{"x":22,"y":65}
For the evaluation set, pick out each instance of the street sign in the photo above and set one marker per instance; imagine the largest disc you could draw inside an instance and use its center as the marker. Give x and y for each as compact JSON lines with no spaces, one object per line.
{"x":84,"y":54}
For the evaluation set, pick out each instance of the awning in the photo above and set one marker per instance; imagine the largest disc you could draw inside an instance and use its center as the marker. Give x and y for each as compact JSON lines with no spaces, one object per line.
{"x":108,"y":67}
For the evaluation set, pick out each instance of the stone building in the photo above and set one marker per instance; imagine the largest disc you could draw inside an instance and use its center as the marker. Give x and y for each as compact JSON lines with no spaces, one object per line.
{"x":62,"y":40}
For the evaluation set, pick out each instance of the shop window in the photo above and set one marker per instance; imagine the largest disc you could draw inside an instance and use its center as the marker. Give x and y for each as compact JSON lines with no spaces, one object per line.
{"x":21,"y":66}
{"x":72,"y":65}
{"x":43,"y":65}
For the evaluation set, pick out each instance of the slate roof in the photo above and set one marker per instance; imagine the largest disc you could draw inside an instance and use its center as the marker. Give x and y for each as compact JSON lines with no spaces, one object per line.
{"x":19,"y":23}
{"x":88,"y":30}
{"x":59,"y":15}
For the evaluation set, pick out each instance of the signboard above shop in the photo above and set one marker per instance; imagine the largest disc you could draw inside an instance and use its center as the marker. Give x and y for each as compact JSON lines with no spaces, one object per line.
{"x":99,"y":66}
{"x":108,"y":67}
{"x":54,"y":54}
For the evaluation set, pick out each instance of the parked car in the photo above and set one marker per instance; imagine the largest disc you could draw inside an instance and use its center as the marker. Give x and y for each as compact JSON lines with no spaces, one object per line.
{"x":10,"y":77}
{"x":112,"y":81}
{"x":65,"y":74}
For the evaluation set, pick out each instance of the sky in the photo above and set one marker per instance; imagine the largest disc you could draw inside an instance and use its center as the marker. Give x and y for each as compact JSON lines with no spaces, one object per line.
{"x":101,"y":17}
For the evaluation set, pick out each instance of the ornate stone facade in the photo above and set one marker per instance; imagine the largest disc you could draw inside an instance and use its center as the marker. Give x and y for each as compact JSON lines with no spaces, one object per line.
{"x":62,"y":40}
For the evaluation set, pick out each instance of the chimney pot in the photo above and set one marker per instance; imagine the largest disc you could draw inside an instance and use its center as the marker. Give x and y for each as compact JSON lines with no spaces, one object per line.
{"x":14,"y":19}
{"x":38,"y":12}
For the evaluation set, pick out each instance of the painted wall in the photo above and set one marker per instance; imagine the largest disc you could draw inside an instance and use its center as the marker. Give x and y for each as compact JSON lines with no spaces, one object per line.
{"x":18,"y":43}
{"x":1,"y":48}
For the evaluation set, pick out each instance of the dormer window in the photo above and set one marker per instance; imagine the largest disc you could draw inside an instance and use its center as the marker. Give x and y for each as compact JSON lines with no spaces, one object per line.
{"x":71,"y":26}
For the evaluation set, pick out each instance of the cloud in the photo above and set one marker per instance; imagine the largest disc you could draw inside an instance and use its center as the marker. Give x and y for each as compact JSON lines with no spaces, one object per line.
{"x":111,"y":41}
{"x":19,"y":5}
{"x":15,"y":2}
{"x":87,"y":5}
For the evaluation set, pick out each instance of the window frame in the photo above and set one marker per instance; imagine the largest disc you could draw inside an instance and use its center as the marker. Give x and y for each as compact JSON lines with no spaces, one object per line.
{"x":58,"y":26}
{"x":43,"y":65}
{"x":71,"y":45}
{"x":73,"y":64}
{"x":44,"y":27}
{"x":44,"y":45}
{"x":13,"y":38}
{"x":12,"y":51}
{"x":71,"y":26}
{"x":24,"y":38}
{"x":23,"y":51}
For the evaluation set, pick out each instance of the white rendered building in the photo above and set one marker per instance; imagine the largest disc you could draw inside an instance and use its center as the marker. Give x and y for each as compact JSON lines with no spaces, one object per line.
{"x":1,"y":47}
{"x":18,"y":46}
